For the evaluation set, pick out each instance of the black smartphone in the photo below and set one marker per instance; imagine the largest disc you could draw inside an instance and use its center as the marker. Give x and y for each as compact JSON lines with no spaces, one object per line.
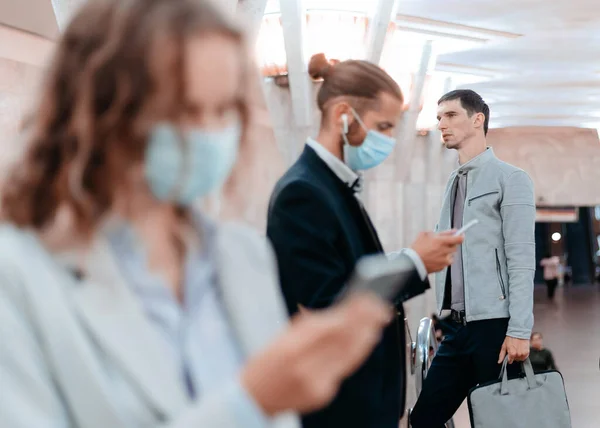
{"x":379,"y":275}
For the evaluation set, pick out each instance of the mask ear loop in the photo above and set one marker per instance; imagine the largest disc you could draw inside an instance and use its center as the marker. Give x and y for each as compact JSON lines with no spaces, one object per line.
{"x":358,"y":119}
{"x":345,"y":129}
{"x":356,"y":185}
{"x":345,"y":125}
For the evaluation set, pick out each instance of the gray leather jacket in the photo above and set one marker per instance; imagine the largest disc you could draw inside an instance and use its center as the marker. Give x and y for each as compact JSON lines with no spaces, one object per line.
{"x":499,"y":252}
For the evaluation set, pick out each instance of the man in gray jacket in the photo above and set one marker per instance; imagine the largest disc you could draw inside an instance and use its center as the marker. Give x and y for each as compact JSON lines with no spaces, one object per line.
{"x":488,"y":289}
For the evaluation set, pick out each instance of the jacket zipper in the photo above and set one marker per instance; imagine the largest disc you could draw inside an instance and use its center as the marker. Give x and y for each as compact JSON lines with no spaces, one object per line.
{"x":463,"y":247}
{"x":500,"y":276}
{"x":480,"y":196}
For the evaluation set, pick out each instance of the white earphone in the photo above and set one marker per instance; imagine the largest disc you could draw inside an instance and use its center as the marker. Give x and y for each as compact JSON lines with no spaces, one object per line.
{"x":345,"y":123}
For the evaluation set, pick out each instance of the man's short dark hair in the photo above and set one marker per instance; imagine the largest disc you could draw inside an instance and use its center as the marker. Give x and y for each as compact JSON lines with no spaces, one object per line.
{"x":471,"y":101}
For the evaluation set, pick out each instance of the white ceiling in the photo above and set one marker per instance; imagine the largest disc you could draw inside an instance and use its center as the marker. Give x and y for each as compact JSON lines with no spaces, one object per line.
{"x":549,"y":76}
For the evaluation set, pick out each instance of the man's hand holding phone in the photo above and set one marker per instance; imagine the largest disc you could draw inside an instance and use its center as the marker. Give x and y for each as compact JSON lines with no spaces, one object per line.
{"x":386,"y":278}
{"x":437,"y":249}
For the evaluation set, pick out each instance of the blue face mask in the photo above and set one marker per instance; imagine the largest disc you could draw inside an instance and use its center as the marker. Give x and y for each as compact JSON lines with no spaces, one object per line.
{"x":375,"y":148}
{"x":184,"y":171}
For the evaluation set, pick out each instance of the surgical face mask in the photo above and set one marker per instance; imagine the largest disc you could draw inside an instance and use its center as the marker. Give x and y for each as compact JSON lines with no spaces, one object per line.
{"x":184,"y":171}
{"x":376,"y":147}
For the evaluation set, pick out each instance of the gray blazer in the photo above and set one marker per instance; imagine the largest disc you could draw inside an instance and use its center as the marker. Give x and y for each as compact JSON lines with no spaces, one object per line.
{"x":82,"y":354}
{"x":499,"y":252}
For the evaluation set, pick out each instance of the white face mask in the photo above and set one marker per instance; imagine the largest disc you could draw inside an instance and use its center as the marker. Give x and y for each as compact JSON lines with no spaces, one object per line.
{"x":375,"y":148}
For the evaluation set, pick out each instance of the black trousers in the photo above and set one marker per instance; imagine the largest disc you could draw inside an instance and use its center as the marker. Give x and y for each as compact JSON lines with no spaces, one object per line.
{"x":467,"y":356}
{"x":551,"y":284}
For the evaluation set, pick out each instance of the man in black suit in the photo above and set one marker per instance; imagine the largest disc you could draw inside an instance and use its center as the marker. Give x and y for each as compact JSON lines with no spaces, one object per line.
{"x":319,"y":230}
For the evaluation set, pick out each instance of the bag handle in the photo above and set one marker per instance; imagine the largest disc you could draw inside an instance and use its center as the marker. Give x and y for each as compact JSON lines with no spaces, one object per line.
{"x":527,"y":369}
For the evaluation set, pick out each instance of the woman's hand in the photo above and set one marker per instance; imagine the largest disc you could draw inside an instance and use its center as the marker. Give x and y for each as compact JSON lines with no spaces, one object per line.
{"x":303,"y":369}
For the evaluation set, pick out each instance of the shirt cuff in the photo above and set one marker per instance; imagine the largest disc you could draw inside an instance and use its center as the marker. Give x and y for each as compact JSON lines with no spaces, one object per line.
{"x":246,"y":411}
{"x":419,"y":265}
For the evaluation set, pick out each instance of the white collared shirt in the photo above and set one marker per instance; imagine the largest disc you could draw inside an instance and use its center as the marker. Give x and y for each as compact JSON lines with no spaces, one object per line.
{"x":339,"y":168}
{"x":344,"y":173}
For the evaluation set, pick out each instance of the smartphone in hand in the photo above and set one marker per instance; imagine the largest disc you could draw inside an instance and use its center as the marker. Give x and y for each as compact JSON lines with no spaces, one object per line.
{"x":379,"y":275}
{"x":466,"y":227}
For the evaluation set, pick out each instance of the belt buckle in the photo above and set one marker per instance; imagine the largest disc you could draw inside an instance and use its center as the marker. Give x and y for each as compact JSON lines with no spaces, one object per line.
{"x":459,"y":317}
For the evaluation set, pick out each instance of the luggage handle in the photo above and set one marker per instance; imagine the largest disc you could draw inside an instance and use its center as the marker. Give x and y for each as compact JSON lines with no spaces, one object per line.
{"x":527,"y":369}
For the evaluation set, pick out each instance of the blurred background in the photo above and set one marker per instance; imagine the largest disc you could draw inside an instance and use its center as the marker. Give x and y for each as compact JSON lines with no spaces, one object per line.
{"x":535,"y":63}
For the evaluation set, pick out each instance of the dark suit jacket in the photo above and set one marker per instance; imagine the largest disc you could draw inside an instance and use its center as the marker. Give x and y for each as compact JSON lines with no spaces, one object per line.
{"x":319,"y":232}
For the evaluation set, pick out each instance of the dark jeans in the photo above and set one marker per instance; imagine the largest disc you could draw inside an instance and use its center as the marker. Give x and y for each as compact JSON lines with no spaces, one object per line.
{"x":467,"y":356}
{"x":551,"y":284}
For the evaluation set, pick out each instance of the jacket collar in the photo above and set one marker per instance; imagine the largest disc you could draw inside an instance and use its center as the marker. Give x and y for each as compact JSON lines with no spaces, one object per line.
{"x":316,"y":162}
{"x":477,"y":162}
{"x":347,"y":190}
{"x":339,"y":168}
